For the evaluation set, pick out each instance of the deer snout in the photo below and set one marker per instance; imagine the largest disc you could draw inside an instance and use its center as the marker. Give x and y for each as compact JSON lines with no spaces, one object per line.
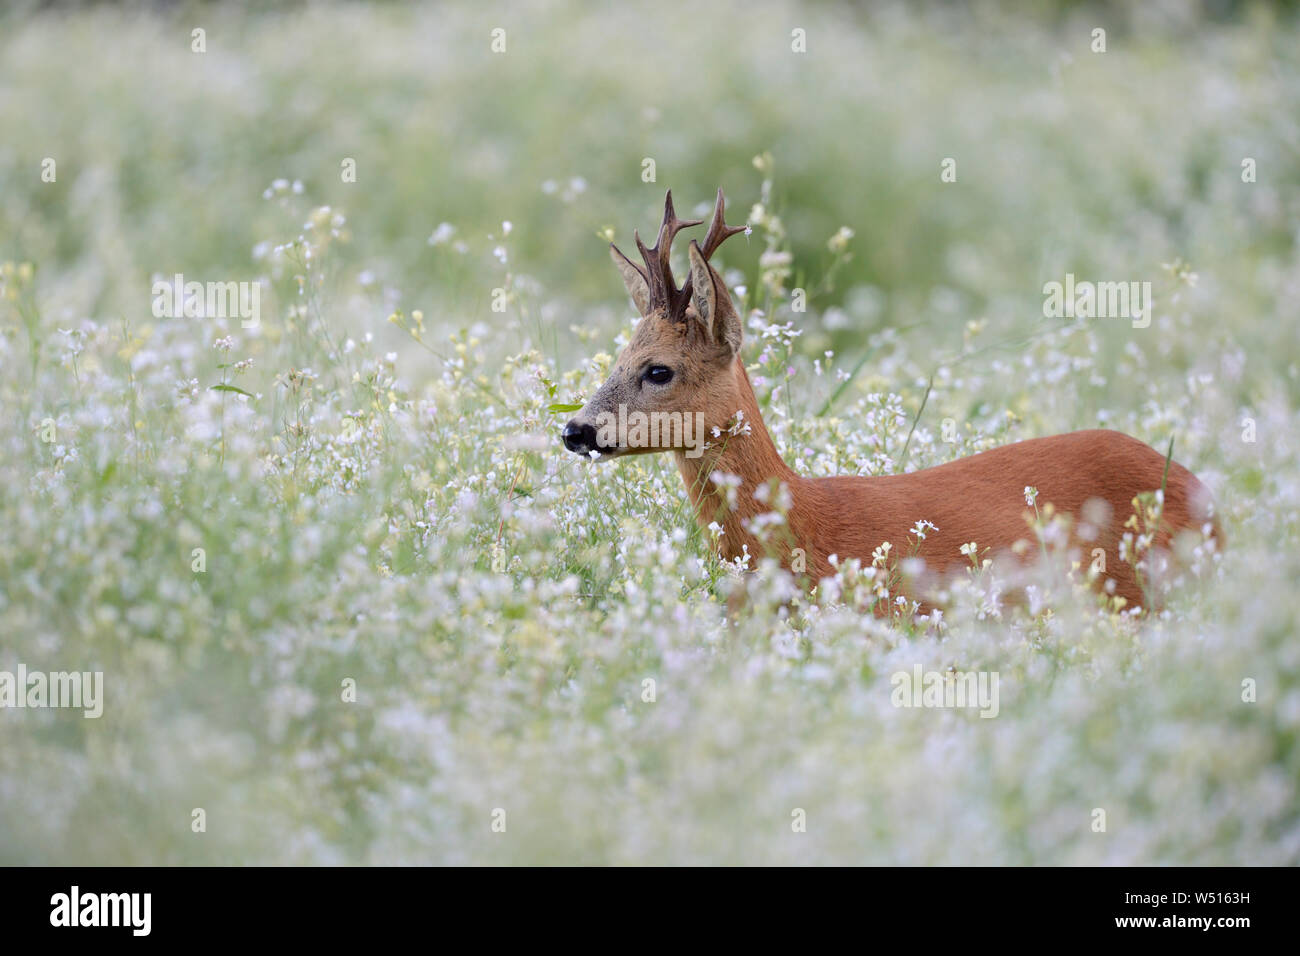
{"x":579,"y":438}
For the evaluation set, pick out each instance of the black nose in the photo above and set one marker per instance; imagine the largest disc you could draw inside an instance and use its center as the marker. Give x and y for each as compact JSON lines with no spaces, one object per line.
{"x":579,"y":438}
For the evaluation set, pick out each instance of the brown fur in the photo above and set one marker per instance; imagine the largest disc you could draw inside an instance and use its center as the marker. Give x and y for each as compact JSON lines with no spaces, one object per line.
{"x":979,"y":498}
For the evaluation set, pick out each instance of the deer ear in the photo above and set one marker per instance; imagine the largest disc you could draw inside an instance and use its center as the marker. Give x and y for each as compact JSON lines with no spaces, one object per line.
{"x":717,"y":314}
{"x":633,"y":278}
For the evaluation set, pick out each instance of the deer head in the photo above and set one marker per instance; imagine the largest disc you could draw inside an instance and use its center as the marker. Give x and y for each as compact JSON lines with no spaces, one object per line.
{"x":674,"y":381}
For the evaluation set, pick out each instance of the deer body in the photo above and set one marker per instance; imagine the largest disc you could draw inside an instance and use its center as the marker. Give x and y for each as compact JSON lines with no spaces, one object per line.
{"x":1088,"y":474}
{"x":684,"y":356}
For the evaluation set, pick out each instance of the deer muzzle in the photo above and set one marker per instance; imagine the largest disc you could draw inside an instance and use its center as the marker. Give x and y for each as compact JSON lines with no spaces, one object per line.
{"x":580,"y":438}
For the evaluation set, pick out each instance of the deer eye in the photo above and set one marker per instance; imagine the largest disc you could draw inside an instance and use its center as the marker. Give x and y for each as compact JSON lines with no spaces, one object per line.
{"x":659,"y":374}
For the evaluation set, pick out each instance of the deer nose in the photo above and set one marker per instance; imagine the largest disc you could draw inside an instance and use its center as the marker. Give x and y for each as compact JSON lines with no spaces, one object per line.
{"x":579,"y":438}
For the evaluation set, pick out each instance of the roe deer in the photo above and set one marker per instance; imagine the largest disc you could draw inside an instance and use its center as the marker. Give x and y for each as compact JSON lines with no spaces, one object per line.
{"x":682,"y":364}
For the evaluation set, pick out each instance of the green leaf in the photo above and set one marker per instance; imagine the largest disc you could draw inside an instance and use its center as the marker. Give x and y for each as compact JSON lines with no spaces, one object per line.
{"x":559,"y":407}
{"x":229,"y":388}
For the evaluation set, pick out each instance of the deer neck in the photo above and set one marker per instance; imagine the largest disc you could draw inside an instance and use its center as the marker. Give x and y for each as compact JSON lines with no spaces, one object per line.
{"x":751,"y":457}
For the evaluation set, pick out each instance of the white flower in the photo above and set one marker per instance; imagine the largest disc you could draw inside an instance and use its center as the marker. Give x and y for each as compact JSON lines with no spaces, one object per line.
{"x":840,"y":241}
{"x":442,"y":234}
{"x":918,"y":529}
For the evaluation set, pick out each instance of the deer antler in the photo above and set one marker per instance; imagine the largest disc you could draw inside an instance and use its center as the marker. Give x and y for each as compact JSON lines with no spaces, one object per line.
{"x":659,"y":275}
{"x":719,"y":232}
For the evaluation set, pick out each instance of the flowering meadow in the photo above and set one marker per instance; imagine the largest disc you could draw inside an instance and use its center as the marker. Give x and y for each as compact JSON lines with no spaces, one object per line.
{"x":352,"y":600}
